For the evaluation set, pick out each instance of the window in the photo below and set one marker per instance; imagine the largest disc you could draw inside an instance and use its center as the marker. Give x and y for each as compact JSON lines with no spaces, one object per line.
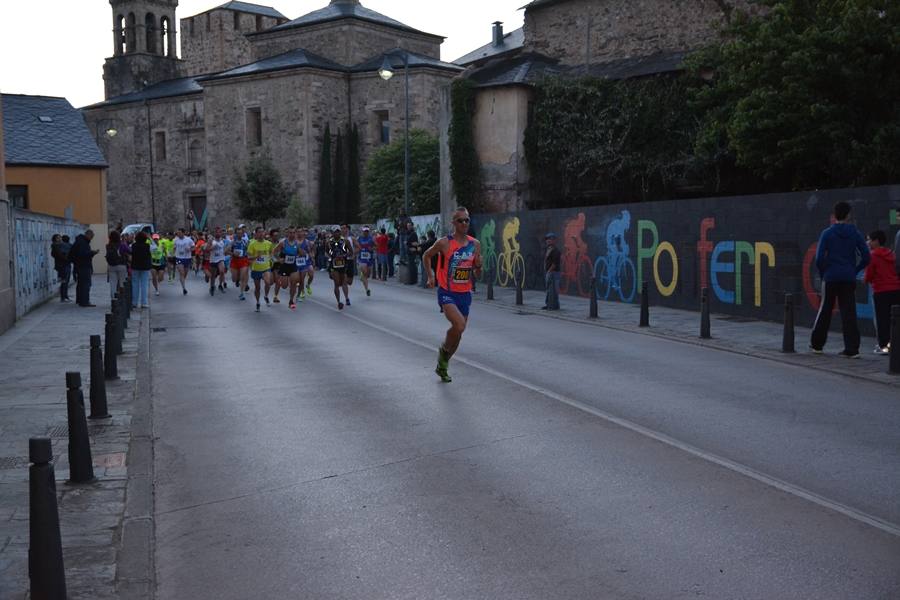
{"x":121,"y":45}
{"x":259,"y":22}
{"x":130,"y":38}
{"x":165,"y":36}
{"x":383,"y":121}
{"x":159,"y":145}
{"x":208,"y":22}
{"x":150,"y":30}
{"x":237,"y":21}
{"x":18,"y":195}
{"x":254,"y":127}
{"x":195,"y":156}
{"x":191,"y":25}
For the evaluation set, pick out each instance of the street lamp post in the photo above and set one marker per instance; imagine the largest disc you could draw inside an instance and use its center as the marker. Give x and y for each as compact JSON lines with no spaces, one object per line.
{"x":386,"y":72}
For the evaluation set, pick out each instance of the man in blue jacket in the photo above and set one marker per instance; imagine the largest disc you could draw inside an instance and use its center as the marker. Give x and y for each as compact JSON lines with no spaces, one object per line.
{"x":82,"y":256}
{"x":841,"y":255}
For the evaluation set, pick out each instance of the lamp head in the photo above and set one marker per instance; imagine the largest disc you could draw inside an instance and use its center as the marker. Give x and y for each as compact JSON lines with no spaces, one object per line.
{"x":112,"y":132}
{"x":386,"y":71}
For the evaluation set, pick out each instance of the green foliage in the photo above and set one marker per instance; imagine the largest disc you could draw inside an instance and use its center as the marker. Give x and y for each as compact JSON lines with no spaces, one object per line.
{"x":354,"y":193}
{"x":340,"y":180}
{"x":259,"y":193}
{"x":806,"y":96}
{"x":465,"y":169}
{"x":300,"y":214}
{"x":384,"y":177}
{"x":326,"y":189}
{"x":623,"y":140}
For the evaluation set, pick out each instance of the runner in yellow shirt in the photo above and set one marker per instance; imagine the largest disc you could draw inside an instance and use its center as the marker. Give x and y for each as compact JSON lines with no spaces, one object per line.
{"x":259,"y":251}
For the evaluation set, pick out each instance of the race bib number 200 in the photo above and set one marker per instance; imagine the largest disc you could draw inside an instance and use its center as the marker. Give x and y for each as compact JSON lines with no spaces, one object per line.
{"x":461,"y":275}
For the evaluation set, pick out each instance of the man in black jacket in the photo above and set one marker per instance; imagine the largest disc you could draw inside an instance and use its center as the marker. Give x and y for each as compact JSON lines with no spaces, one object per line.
{"x":59,"y":250}
{"x":82,"y":257}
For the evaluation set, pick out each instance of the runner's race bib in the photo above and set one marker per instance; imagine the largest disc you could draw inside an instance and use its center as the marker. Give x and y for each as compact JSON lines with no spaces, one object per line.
{"x":462,"y":275}
{"x":365,"y":255}
{"x":238,"y":253}
{"x":262,"y":260}
{"x":338,"y":263}
{"x":289,"y":259}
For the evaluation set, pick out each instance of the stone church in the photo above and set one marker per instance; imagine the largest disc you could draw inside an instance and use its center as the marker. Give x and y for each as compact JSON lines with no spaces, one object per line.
{"x":249,"y":80}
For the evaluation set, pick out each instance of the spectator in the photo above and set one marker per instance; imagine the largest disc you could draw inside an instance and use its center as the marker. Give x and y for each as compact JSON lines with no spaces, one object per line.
{"x":840,"y":256}
{"x":382,"y":242}
{"x":115,"y":261}
{"x":392,"y":252}
{"x":412,"y":246}
{"x":881,"y":274}
{"x":59,"y":250}
{"x":551,"y":272}
{"x":140,"y":270}
{"x":82,"y":255}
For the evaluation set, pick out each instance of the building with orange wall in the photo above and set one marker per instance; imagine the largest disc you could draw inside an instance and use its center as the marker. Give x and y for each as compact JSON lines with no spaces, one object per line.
{"x":53,"y":164}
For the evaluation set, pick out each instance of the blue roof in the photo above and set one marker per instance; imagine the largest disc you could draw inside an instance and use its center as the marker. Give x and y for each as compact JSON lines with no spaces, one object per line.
{"x":164,"y":89}
{"x":345,"y":10}
{"x":42,"y":130}
{"x":256,"y":9}
{"x":292,"y":59}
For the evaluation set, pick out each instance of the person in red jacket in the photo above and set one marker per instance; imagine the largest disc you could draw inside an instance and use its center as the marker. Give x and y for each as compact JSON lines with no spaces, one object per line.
{"x":881,"y":274}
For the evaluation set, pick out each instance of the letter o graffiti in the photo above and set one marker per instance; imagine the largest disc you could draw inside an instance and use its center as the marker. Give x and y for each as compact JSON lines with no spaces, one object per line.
{"x":666,"y":290}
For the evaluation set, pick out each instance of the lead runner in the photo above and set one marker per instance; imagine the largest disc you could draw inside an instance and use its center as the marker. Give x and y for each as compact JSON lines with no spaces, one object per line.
{"x":459,"y":259}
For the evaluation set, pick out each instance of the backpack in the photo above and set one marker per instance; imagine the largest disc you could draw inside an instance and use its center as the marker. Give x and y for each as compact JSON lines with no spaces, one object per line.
{"x":113,"y":258}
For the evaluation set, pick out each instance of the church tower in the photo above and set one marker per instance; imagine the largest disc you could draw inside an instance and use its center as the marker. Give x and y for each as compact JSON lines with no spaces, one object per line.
{"x":144,"y":49}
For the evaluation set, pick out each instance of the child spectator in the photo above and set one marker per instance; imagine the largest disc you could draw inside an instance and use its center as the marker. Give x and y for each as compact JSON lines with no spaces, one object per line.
{"x":881,"y":274}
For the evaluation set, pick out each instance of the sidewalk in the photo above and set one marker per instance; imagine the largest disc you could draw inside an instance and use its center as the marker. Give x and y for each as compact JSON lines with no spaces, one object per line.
{"x":98,"y":541}
{"x":760,"y":339}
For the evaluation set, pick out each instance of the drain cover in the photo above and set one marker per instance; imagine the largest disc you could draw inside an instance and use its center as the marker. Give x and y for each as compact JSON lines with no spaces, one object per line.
{"x":159,"y":330}
{"x":60,"y":431}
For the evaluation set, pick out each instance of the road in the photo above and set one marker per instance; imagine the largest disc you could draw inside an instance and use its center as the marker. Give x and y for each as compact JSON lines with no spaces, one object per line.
{"x":316,"y":455}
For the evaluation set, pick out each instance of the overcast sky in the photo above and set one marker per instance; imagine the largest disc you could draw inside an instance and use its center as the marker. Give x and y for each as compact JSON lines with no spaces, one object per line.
{"x":57,"y":47}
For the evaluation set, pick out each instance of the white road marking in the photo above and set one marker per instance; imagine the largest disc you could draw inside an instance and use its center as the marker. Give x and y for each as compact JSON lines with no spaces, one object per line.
{"x":779,"y":484}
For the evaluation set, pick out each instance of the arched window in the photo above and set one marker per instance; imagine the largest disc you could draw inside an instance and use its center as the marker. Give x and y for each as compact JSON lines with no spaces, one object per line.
{"x":165,"y":36}
{"x":150,"y":31}
{"x":237,"y":21}
{"x":121,"y":46}
{"x":130,"y":38}
{"x":195,"y":156}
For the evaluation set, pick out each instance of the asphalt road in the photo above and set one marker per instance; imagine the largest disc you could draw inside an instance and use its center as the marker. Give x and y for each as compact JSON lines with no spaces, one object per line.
{"x":316,"y":455}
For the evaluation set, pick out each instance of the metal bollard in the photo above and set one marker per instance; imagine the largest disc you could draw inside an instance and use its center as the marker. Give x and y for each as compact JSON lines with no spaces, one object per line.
{"x":118,"y":333}
{"x":81,"y":467}
{"x":645,"y":305}
{"x":490,"y":285}
{"x":124,"y":306}
{"x":593,"y":311}
{"x":787,"y":343}
{"x":894,"y":365}
{"x":110,"y":367}
{"x":45,"y":558}
{"x":519,"y":298}
{"x":128,"y":297}
{"x":98,"y":383}
{"x":704,"y":314}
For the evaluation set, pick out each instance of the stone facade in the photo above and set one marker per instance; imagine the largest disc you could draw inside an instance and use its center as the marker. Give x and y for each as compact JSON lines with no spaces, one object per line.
{"x":143,"y":45}
{"x":581,"y":32}
{"x":178,"y":151}
{"x":347,"y":43}
{"x":501,"y":116}
{"x":216,"y":40}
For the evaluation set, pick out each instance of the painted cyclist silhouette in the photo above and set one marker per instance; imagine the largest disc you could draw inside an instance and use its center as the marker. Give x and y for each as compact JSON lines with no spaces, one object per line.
{"x":511,"y":263}
{"x":576,"y":264}
{"x":615,"y":271}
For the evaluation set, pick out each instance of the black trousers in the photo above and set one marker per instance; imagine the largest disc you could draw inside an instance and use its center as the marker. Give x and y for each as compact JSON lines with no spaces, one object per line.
{"x":83,"y":287}
{"x":65,"y":273}
{"x":883,"y":303}
{"x":845,"y":295}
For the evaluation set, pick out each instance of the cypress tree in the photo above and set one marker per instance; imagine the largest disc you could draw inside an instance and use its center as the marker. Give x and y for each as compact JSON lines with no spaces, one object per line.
{"x":353,"y":179}
{"x":340,"y":181}
{"x":326,"y":189}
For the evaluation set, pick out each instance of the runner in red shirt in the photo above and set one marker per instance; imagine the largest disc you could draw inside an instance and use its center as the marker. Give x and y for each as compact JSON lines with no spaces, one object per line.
{"x":381,"y":254}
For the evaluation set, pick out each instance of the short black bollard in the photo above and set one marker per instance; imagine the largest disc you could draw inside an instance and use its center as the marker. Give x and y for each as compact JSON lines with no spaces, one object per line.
{"x":45,"y":558}
{"x":490,"y":285}
{"x":787,"y":343}
{"x":118,"y":334}
{"x":520,"y":300}
{"x":81,"y":467}
{"x":704,"y":314}
{"x":645,"y":305}
{"x":593,"y":311}
{"x":98,"y":383}
{"x":124,"y":308}
{"x":894,"y":367}
{"x":128,"y":297}
{"x":110,"y":367}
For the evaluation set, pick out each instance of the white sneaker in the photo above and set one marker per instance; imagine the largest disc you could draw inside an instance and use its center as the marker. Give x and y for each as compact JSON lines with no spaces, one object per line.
{"x":882,"y":351}
{"x":157,"y":292}
{"x":145,"y":306}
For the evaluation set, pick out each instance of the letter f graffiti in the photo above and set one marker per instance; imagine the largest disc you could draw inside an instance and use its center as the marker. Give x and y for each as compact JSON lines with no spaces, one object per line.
{"x":704,"y":249}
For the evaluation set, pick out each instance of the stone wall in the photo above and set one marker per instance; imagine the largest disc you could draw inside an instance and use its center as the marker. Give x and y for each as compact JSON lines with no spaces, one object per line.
{"x":7,"y":294}
{"x":132,"y":191}
{"x":133,"y":72}
{"x":347,"y":42}
{"x":499,"y":122}
{"x":210,"y":42}
{"x":295,"y":108}
{"x":596,"y":31}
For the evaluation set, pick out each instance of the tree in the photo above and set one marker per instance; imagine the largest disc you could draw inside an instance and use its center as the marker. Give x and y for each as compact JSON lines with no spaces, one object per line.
{"x":326,"y":189}
{"x":383,"y":180}
{"x":340,"y":181}
{"x":465,"y":168}
{"x":354,"y":193}
{"x":259,"y":192}
{"x":806,"y":96}
{"x":301,"y":214}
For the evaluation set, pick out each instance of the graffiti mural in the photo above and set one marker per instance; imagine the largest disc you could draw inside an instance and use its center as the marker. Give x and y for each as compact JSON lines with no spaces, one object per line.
{"x":35,"y":277}
{"x":748,"y":251}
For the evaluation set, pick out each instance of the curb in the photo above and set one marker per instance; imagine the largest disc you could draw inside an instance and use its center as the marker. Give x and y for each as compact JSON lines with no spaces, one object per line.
{"x":135,"y":572}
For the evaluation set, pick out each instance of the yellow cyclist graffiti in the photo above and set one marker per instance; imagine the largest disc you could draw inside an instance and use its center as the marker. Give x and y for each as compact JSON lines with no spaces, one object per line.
{"x":511,"y":263}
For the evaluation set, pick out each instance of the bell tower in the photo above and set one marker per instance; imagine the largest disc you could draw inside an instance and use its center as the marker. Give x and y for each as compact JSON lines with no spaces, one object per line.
{"x":144,"y":48}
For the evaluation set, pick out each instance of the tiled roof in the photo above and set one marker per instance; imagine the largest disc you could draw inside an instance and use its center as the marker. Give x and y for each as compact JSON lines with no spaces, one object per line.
{"x":524,"y":69}
{"x":396,"y":59}
{"x":639,"y":66}
{"x":514,"y":40}
{"x":256,"y":9}
{"x":293,"y":59}
{"x":540,"y":4}
{"x":164,"y":89}
{"x":345,"y":10}
{"x":41,"y":130}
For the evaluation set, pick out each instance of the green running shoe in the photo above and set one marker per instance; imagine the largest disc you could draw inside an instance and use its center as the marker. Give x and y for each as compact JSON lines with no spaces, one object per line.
{"x":442,"y":373}
{"x":442,"y":364}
